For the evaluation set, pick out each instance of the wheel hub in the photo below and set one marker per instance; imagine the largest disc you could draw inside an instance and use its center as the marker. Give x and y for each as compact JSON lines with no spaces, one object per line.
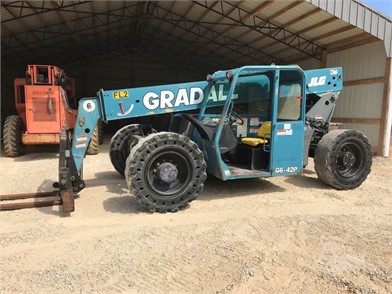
{"x":167,"y":172}
{"x":348,"y":159}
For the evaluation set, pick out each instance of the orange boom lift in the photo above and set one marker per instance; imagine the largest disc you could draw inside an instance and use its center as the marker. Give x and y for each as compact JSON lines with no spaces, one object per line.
{"x":45,"y":102}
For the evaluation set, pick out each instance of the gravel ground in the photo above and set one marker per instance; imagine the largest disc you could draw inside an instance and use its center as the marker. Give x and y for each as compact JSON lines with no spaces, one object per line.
{"x":281,"y":235}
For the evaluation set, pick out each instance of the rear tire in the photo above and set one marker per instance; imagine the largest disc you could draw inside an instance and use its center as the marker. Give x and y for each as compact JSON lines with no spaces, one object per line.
{"x":122,"y":143}
{"x":100,"y":132}
{"x":343,"y":159}
{"x":12,"y":136}
{"x":93,"y":147}
{"x":165,"y":171}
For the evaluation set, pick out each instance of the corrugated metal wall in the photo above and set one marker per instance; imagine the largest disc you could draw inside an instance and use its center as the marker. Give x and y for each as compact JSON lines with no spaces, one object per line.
{"x":364,"y":62}
{"x":361,"y":101}
{"x":371,"y":131}
{"x":358,"y":101}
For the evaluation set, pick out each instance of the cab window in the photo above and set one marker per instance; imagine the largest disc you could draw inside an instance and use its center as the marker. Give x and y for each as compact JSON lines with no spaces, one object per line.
{"x":290,"y":96}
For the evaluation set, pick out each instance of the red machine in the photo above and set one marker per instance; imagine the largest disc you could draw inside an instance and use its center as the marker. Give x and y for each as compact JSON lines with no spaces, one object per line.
{"x":44,"y":100}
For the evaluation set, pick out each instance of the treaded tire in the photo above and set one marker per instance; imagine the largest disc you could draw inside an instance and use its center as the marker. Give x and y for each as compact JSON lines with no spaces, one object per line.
{"x":12,"y":136}
{"x":343,"y":159}
{"x":93,"y":147}
{"x":100,"y":132}
{"x":145,"y":162}
{"x":121,"y":144}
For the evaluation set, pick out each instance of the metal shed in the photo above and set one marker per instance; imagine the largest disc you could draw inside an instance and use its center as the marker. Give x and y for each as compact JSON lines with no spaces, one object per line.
{"x":111,"y":44}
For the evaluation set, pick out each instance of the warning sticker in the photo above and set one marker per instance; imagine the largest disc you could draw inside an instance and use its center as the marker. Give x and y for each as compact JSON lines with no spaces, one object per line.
{"x":81,"y":138}
{"x":80,"y":145}
{"x":285,"y":132}
{"x":254,"y":121}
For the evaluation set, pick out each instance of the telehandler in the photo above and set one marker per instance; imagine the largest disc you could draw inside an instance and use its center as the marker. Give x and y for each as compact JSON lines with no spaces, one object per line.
{"x":251,"y":122}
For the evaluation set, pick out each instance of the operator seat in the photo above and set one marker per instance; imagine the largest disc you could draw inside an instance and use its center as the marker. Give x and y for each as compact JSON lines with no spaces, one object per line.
{"x":263,"y":134}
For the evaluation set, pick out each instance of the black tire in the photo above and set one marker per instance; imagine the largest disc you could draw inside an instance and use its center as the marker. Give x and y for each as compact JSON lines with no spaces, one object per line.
{"x":165,"y":171}
{"x":343,"y":159}
{"x":93,"y":147}
{"x":12,"y":136}
{"x":100,"y":132}
{"x":122,"y":143}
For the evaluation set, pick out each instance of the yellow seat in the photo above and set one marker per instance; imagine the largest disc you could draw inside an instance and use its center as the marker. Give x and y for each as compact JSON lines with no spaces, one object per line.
{"x":263,"y":133}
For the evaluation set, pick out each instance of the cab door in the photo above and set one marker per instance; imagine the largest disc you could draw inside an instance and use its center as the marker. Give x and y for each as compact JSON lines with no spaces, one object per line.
{"x":288,"y":123}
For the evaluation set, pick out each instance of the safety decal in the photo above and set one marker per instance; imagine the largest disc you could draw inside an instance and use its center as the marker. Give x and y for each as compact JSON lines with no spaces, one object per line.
{"x":81,"y":138}
{"x":120,"y":94}
{"x":81,"y":145}
{"x":89,"y":105}
{"x":254,"y":121}
{"x":285,"y":132}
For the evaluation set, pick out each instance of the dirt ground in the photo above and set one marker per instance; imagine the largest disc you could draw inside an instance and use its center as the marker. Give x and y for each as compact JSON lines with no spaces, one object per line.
{"x":281,"y":235}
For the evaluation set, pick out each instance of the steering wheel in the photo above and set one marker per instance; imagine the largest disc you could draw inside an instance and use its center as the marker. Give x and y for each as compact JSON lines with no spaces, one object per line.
{"x":236,"y":118}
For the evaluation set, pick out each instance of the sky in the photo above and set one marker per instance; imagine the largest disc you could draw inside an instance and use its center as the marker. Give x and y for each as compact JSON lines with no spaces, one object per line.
{"x":383,"y":6}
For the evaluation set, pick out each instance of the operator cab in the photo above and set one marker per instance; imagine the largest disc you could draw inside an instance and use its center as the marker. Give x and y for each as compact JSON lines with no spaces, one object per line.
{"x":255,"y":120}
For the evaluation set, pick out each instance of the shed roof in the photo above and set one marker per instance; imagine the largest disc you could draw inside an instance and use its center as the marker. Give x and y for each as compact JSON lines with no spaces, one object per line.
{"x":203,"y":35}
{"x":362,"y":16}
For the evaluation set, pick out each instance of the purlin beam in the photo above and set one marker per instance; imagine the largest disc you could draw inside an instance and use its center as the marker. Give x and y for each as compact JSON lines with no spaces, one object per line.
{"x":201,"y":17}
{"x":85,"y":37}
{"x":290,"y":23}
{"x":182,"y":55}
{"x":184,"y":48}
{"x":46,"y":6}
{"x":90,"y":22}
{"x":93,"y":21}
{"x":4,"y":26}
{"x":323,"y":36}
{"x":268,"y":29}
{"x":275,"y":15}
{"x":222,"y":17}
{"x":245,"y":18}
{"x":206,"y":32}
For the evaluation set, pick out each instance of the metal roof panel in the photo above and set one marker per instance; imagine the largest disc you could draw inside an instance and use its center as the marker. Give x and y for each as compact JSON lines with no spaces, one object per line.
{"x":359,"y":14}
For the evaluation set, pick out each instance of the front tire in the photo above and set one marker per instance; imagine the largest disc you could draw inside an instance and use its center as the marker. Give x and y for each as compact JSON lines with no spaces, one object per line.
{"x":343,"y":159}
{"x":122,"y":143}
{"x":165,"y":171}
{"x":12,"y":136}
